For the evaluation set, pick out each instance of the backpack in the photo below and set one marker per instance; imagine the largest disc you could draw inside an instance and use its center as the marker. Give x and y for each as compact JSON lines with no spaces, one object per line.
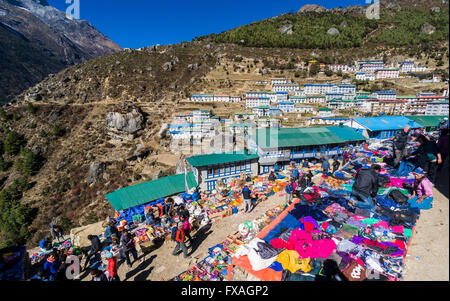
{"x":173,"y":235}
{"x":398,"y":197}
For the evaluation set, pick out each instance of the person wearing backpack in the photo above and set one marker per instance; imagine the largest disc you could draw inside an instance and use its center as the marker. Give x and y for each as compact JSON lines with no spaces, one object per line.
{"x":179,"y":238}
{"x":422,"y":196}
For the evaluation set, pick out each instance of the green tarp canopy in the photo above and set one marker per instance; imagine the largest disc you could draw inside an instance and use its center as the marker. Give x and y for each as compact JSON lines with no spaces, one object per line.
{"x":140,"y":194}
{"x":212,"y":159}
{"x":310,"y":136}
{"x":427,"y":120}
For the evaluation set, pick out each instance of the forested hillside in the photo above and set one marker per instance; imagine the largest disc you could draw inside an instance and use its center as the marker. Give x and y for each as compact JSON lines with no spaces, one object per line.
{"x":328,"y":30}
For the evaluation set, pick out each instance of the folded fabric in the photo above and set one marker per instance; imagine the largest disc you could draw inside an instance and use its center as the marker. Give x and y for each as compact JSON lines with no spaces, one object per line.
{"x":276,"y":266}
{"x":265,"y":250}
{"x":370,"y":221}
{"x":290,"y":260}
{"x":256,"y":261}
{"x":347,"y":246}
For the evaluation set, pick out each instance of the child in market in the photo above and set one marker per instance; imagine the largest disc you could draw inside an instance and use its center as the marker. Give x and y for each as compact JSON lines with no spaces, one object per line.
{"x":180,"y":238}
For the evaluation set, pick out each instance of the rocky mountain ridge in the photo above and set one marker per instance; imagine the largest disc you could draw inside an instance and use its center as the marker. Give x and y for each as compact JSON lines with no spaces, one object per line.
{"x":37,"y":40}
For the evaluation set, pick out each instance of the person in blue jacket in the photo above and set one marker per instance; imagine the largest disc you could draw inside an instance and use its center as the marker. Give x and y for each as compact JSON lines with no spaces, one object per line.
{"x":276,"y":168}
{"x":51,"y":267}
{"x":45,"y":244}
{"x":289,"y":191}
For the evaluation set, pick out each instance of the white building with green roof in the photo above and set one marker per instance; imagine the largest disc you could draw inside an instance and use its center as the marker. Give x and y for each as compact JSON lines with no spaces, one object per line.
{"x":207,"y":169}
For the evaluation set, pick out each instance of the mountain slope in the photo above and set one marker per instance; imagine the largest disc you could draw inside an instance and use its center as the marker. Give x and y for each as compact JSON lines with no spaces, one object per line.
{"x":37,"y":40}
{"x":317,"y":27}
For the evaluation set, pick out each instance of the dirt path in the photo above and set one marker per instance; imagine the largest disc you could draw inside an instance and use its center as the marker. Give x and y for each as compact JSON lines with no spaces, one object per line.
{"x":428,"y":255}
{"x":162,"y":265}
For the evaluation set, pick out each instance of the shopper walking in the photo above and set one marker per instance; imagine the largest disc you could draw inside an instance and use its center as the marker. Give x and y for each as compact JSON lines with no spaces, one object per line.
{"x":247,"y":195}
{"x":428,"y":157}
{"x":57,"y":232}
{"x":127,"y":243}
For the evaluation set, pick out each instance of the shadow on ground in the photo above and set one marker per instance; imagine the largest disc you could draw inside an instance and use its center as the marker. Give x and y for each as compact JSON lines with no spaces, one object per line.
{"x":442,"y":177}
{"x":140,"y":268}
{"x":199,"y":237}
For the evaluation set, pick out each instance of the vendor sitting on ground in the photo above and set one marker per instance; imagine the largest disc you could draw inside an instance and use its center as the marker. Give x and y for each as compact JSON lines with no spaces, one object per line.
{"x":46,"y":244}
{"x":336,"y":164}
{"x":365,"y":188}
{"x":422,"y":196}
{"x":149,"y":219}
{"x":272,"y":176}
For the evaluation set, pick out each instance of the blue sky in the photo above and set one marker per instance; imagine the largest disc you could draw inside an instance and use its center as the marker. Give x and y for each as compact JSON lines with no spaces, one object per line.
{"x":140,"y":23}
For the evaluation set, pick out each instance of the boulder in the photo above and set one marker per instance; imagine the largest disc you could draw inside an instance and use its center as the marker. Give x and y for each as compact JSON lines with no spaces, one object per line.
{"x":435,"y":9}
{"x":167,"y":66}
{"x":312,"y":8}
{"x":96,"y":170}
{"x":130,"y":122}
{"x":286,"y":29}
{"x":428,"y":28}
{"x":157,"y":174}
{"x":333,"y":31}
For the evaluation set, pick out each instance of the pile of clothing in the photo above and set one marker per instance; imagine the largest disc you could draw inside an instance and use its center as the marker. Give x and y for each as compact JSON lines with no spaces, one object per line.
{"x":323,"y":238}
{"x":214,"y":267}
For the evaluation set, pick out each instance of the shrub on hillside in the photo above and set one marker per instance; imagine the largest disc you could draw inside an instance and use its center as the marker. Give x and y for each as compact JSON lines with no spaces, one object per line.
{"x":13,"y":142}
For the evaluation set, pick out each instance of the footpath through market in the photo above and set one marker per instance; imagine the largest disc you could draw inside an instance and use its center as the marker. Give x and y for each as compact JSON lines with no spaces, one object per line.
{"x":316,"y":237}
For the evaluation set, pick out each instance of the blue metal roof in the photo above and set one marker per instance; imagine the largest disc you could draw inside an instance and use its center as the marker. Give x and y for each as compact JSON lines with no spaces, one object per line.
{"x":386,"y":92}
{"x":385,"y":123}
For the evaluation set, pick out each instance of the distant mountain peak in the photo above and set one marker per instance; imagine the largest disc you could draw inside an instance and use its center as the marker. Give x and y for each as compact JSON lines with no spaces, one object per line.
{"x":46,"y":41}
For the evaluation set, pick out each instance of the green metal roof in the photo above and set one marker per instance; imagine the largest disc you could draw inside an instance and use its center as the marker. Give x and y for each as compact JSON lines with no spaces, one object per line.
{"x":309,"y":136}
{"x":427,"y":120}
{"x":143,"y":193}
{"x":212,"y":159}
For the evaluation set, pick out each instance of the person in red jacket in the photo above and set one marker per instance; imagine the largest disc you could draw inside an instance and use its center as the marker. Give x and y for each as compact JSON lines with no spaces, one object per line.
{"x":179,"y":238}
{"x":111,"y":273}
